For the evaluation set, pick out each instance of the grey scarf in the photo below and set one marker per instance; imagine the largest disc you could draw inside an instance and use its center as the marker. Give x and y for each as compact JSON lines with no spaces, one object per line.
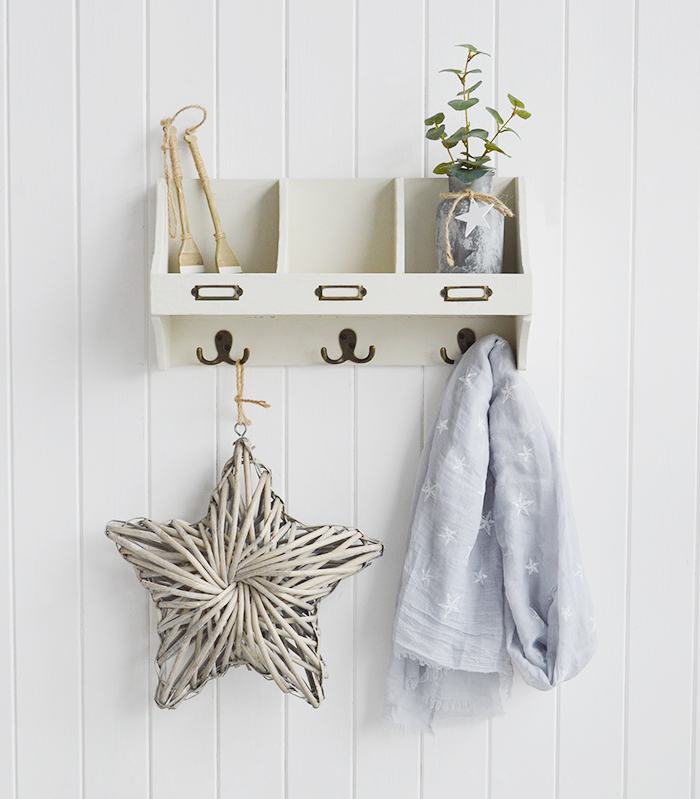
{"x":493,"y":573}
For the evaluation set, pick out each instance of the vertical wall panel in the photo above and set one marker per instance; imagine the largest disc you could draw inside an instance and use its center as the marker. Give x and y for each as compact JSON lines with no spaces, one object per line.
{"x":251,"y":89}
{"x":596,"y":389}
{"x":388,"y":447}
{"x":182,"y":70}
{"x":45,"y":388}
{"x":531,"y":67}
{"x":390,"y":88}
{"x":321,"y":89}
{"x":7,"y":636}
{"x":664,"y":417}
{"x":114,"y":403}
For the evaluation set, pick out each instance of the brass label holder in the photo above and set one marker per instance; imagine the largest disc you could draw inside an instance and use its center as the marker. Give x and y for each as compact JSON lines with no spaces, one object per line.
{"x":486,"y":292}
{"x":202,"y":293}
{"x":346,"y":293}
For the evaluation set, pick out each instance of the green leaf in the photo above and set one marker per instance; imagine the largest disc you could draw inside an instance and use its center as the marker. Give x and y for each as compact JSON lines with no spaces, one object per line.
{"x":510,"y":130}
{"x":435,"y":120}
{"x":459,"y":135}
{"x":489,"y":146}
{"x":479,"y":133}
{"x":435,"y":133}
{"x":443,"y":169}
{"x":495,"y":115}
{"x":455,"y":71}
{"x":472,"y":71}
{"x":469,"y":175}
{"x":472,"y":88}
{"x":462,"y":105}
{"x":469,"y":47}
{"x":476,"y":162}
{"x":515,"y":101}
{"x":523,"y":114}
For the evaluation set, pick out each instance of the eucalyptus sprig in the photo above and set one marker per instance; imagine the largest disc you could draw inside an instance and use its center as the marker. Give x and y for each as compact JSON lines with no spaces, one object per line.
{"x":469,"y":166}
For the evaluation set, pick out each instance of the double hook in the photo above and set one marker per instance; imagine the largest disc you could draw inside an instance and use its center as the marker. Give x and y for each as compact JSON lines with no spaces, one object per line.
{"x":347,"y":339}
{"x":223,"y":341}
{"x":465,"y":338}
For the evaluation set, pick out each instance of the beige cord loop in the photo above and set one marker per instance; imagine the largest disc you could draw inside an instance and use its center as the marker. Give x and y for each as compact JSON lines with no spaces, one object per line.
{"x":470,"y":195}
{"x":165,"y":147}
{"x":242,"y":418}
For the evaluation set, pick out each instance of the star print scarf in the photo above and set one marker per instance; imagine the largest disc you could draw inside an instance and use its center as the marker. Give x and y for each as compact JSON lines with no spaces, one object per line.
{"x":493,"y":574}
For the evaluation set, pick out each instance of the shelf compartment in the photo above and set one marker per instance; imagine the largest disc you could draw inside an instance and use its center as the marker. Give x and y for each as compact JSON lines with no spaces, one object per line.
{"x":330,"y":226}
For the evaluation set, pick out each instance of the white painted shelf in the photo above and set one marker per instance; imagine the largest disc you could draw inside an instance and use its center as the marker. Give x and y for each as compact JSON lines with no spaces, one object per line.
{"x":371,"y":240}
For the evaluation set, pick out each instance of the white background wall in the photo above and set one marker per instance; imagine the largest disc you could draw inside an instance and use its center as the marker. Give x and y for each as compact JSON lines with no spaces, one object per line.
{"x":314,"y":88}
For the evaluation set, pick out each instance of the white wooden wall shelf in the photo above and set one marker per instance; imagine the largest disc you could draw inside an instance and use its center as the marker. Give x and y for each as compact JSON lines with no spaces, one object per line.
{"x":321,"y":257}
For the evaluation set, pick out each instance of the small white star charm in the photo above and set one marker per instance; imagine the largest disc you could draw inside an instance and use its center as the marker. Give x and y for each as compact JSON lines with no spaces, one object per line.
{"x":566,"y":612}
{"x":579,"y":572}
{"x":509,"y":391}
{"x":450,"y":605}
{"x":526,"y":454}
{"x":481,"y":424}
{"x":532,"y":567}
{"x":429,"y":489}
{"x":441,"y":426}
{"x":474,"y":217}
{"x":487,"y":522}
{"x":448,"y":535}
{"x":522,"y":505}
{"x":480,"y":577}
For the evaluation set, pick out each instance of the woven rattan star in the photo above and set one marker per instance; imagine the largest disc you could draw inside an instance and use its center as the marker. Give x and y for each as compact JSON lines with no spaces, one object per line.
{"x":240,"y":587}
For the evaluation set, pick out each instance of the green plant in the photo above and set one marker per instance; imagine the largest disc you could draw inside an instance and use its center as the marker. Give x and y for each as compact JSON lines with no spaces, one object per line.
{"x":469,"y":166}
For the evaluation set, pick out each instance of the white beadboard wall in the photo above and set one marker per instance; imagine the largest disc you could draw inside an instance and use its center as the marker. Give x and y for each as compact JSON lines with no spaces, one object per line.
{"x":91,"y":432}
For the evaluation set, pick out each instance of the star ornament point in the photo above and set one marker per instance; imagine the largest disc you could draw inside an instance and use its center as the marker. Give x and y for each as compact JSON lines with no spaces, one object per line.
{"x":241,"y":586}
{"x":474,"y":217}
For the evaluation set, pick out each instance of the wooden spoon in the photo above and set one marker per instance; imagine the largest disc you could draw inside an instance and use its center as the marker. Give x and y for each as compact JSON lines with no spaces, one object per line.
{"x":224,"y":259}
{"x":189,"y":259}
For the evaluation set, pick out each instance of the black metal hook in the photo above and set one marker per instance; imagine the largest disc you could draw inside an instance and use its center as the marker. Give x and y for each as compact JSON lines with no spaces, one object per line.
{"x":347,"y":340}
{"x":223,"y":341}
{"x":465,"y":338}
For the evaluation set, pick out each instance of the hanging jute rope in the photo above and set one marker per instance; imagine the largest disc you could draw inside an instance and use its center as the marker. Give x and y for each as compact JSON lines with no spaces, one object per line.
{"x":165,"y":147}
{"x":239,"y":400}
{"x":470,"y":195}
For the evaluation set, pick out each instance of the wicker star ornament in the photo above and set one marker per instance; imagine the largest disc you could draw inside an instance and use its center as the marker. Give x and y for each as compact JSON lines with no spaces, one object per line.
{"x":240,"y":587}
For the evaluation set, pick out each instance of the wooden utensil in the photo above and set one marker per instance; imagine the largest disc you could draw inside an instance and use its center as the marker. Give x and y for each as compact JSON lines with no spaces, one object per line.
{"x":189,"y":259}
{"x":224,"y":259}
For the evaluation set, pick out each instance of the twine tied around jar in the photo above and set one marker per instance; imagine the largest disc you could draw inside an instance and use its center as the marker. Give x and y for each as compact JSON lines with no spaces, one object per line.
{"x":476,"y":196}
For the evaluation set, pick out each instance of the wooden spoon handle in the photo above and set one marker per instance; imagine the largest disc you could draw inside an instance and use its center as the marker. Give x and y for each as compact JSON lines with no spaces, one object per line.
{"x":191,"y":140}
